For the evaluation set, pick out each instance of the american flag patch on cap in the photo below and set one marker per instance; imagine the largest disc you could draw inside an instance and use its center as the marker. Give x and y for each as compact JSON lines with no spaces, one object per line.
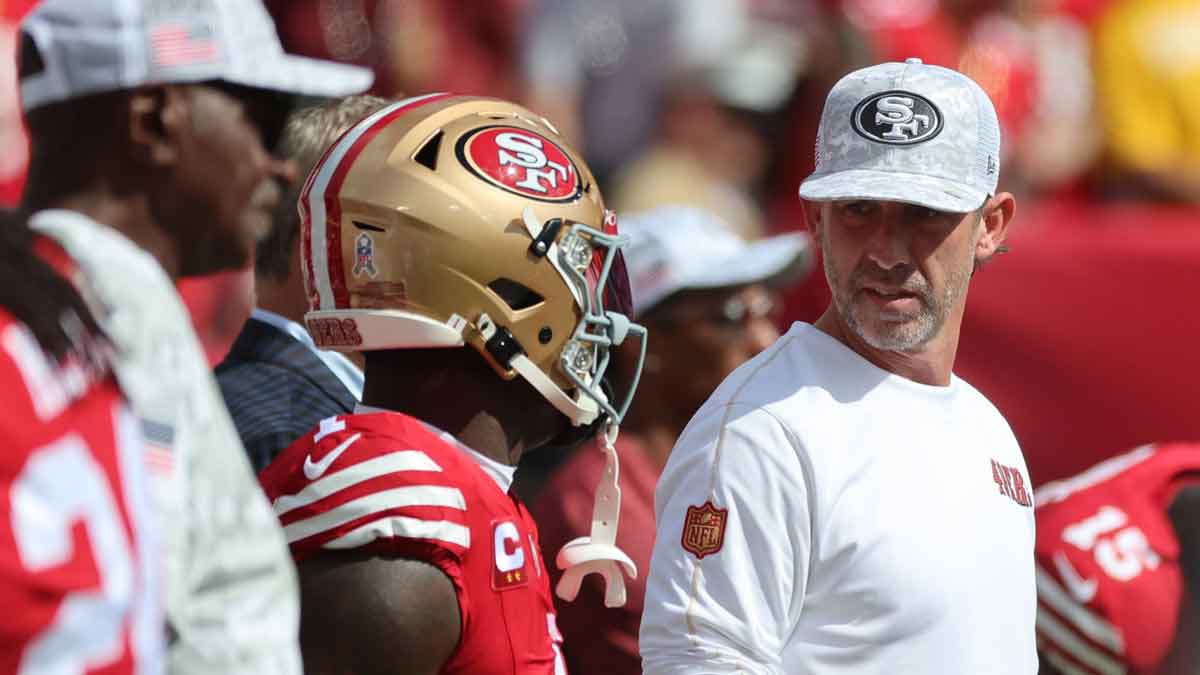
{"x":183,"y":42}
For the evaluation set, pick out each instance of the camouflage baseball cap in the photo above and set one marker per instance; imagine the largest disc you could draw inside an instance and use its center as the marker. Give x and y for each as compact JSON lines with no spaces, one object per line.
{"x":907,"y":132}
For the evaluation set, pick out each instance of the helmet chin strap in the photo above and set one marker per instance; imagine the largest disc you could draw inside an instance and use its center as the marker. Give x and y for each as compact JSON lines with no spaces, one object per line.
{"x":598,"y":552}
{"x":581,"y":412}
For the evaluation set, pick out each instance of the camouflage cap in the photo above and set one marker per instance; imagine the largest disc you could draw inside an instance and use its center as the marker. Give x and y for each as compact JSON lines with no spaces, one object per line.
{"x":907,"y":132}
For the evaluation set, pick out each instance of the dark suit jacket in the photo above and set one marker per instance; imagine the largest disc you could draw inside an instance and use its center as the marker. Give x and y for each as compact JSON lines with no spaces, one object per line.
{"x":276,"y":390}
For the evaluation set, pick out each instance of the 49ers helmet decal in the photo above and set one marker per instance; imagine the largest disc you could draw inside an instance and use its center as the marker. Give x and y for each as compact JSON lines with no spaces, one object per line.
{"x":522,"y":162}
{"x":483,"y":228}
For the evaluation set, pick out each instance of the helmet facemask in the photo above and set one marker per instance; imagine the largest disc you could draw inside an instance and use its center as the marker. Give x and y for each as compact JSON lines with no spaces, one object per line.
{"x":590,"y":263}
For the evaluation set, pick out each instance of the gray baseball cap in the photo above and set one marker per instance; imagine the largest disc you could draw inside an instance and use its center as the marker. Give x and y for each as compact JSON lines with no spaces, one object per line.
{"x":87,"y":47}
{"x":907,"y":132}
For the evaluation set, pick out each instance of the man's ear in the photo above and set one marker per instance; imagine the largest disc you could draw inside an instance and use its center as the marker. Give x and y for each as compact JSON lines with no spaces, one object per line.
{"x":997,"y":214}
{"x":156,"y":115}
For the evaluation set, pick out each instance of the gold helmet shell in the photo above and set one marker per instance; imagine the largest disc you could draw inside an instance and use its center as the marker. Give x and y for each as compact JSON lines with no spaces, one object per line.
{"x":444,"y":221}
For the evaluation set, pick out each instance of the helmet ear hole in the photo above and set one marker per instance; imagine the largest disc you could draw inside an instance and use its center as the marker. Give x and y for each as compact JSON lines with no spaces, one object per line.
{"x":428,"y":154}
{"x":517,"y":296}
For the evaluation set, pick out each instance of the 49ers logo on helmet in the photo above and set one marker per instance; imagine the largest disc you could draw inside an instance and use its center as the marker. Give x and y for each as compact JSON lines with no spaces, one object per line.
{"x":520,"y":161}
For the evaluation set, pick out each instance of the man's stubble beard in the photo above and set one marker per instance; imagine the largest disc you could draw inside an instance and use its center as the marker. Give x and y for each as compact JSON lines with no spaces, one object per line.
{"x":906,"y":334}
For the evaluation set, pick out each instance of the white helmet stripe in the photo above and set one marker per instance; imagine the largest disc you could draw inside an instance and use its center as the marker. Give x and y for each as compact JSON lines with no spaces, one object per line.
{"x":325,"y":183}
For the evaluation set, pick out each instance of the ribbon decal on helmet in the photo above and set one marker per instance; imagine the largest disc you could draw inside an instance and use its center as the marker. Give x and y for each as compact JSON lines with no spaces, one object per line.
{"x":364,"y":256}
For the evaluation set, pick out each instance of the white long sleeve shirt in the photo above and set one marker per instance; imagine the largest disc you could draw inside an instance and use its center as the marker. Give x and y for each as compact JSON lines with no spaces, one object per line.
{"x":843,"y":520}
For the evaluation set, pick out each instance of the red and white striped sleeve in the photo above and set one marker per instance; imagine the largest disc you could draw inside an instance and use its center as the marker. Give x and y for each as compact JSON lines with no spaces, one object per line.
{"x":347,"y":486}
{"x":1071,"y":636}
{"x":1109,"y":581}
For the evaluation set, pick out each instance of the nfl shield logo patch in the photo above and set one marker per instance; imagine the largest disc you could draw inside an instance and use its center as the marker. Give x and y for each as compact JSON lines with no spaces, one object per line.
{"x":704,"y":529}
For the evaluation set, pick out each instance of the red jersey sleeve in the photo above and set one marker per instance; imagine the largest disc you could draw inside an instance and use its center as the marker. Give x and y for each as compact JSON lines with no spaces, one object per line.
{"x":1108,"y":575}
{"x":371,"y":482}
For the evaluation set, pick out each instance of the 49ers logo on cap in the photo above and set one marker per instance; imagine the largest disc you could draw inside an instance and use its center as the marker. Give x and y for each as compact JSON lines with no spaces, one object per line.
{"x":897,"y":118}
{"x":520,"y":161}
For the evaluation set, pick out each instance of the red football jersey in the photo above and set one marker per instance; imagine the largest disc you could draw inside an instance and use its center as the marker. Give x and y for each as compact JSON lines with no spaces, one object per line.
{"x":1108,"y":575}
{"x":78,"y":583}
{"x":389,"y":483}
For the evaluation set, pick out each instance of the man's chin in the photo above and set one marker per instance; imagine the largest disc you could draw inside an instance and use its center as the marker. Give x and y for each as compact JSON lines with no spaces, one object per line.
{"x":893,"y":334}
{"x":886,"y":321}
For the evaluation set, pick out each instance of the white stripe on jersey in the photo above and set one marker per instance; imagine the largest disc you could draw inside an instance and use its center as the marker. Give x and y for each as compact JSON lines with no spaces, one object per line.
{"x":412,"y":495}
{"x":1060,"y":663}
{"x":403,"y":460}
{"x":403,"y":526}
{"x":1095,"y":627}
{"x":1066,"y":640}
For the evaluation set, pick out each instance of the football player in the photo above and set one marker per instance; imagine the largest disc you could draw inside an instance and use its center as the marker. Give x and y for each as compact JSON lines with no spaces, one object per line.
{"x":78,"y":558}
{"x":1118,"y":565}
{"x":464,"y":248}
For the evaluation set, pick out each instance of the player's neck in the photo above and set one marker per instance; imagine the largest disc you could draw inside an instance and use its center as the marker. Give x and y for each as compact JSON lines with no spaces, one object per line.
{"x":448,"y":401}
{"x":481,"y":431}
{"x":484,"y":434}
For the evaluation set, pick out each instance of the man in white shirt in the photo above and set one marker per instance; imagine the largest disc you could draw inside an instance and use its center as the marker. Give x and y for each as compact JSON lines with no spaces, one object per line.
{"x":152,"y":123}
{"x":843,"y":503}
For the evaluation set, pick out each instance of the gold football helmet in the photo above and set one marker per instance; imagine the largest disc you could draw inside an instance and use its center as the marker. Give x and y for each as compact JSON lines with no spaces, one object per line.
{"x":444,"y":221}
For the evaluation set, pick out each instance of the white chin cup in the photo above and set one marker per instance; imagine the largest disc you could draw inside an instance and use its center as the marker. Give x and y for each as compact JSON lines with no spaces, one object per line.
{"x":582,"y":557}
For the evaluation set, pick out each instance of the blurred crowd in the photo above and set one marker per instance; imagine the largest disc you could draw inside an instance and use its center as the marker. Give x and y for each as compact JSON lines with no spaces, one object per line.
{"x":667,"y":100}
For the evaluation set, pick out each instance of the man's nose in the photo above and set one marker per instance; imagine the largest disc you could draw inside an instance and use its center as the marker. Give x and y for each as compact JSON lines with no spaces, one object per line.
{"x":888,"y":244}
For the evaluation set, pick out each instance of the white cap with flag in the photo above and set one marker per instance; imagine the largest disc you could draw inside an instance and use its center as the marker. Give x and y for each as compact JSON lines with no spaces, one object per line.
{"x":678,"y":248}
{"x":84,"y":47}
{"x":907,"y":132}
